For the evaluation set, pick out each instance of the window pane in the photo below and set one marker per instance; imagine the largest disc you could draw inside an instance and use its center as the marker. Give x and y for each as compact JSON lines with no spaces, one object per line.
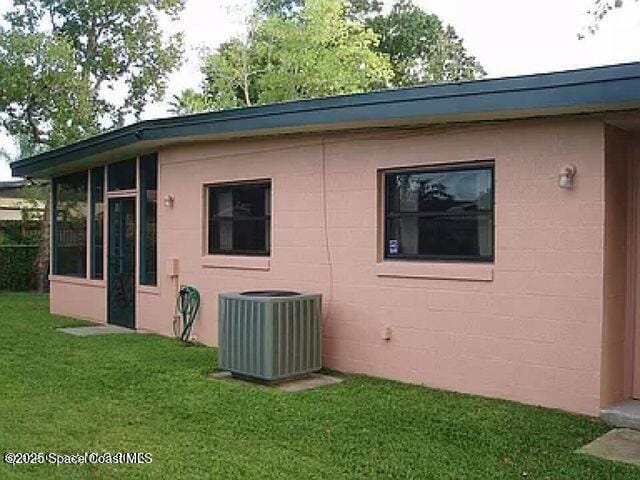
{"x":239,"y":219}
{"x":248,"y":201}
{"x":441,"y":191}
{"x":70,"y":225}
{"x":445,"y":236}
{"x":223,"y":202}
{"x":122,"y":175}
{"x":148,"y":217}
{"x":239,"y":236}
{"x":149,"y":171}
{"x":249,"y":235}
{"x":97,"y":222}
{"x":221,"y":235}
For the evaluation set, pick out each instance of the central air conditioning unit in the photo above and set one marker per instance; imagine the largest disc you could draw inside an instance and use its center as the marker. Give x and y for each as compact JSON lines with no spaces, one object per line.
{"x":270,"y":335}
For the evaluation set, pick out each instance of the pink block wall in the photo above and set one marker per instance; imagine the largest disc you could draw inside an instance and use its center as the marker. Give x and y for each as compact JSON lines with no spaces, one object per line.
{"x":79,"y":298}
{"x":527,"y":327}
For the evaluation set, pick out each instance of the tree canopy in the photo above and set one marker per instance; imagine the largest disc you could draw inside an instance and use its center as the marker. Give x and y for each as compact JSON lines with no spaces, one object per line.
{"x":311,"y":48}
{"x":599,"y":11}
{"x":65,"y":64}
{"x":353,"y":9}
{"x":323,"y":53}
{"x":422,"y":49}
{"x":317,"y":52}
{"x":42,"y":99}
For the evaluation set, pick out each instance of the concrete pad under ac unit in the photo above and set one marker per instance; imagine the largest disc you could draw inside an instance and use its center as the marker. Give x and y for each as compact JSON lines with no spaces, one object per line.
{"x":299,"y":384}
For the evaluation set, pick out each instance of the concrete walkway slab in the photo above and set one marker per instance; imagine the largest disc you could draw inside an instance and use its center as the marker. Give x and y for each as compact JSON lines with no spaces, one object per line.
{"x":300,"y":384}
{"x":619,"y":445}
{"x":624,"y":414}
{"x":97,"y":330}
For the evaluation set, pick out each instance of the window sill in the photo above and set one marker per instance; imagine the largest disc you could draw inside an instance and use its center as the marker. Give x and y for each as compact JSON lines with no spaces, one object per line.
{"x":436,"y":271}
{"x":148,"y":289}
{"x":77,"y":281}
{"x":236,"y":262}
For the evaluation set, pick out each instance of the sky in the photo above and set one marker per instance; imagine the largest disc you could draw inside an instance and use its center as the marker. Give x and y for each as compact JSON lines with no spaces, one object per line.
{"x":507,"y":37}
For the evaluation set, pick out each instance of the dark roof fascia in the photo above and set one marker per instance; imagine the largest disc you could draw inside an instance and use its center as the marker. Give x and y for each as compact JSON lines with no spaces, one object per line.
{"x":606,"y":88}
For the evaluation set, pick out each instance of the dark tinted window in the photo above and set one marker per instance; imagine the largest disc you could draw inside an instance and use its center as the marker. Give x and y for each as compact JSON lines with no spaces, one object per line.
{"x":70,"y":225}
{"x":122,"y":175}
{"x":240,"y":218}
{"x":97,"y":222}
{"x":148,"y":219}
{"x":440,"y":214}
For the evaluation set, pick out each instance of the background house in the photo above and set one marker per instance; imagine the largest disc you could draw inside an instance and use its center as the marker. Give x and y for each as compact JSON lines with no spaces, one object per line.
{"x":20,"y":215}
{"x":11,"y":201}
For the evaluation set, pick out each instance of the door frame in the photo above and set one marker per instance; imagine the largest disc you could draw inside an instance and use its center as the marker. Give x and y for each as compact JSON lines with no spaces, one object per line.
{"x":632,"y":360}
{"x":134,"y":192}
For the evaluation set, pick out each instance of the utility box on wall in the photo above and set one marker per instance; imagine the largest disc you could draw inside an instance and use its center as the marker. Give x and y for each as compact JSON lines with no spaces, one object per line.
{"x":270,"y":335}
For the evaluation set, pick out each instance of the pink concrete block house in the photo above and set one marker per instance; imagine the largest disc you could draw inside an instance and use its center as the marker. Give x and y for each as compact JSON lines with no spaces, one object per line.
{"x":479,"y":237}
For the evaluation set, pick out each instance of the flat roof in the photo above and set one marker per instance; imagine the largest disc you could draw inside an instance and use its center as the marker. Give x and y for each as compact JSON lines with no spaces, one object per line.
{"x":588,"y":90}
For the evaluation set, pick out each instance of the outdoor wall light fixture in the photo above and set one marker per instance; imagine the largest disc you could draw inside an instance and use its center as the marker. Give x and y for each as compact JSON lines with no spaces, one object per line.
{"x":168,"y":201}
{"x":566,"y":176}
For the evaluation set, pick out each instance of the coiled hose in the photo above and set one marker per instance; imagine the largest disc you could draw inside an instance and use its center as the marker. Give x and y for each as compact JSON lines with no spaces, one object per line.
{"x":187,"y":306}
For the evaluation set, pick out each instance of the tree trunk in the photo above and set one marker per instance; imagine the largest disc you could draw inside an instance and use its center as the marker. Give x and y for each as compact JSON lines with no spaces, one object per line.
{"x":41,"y":265}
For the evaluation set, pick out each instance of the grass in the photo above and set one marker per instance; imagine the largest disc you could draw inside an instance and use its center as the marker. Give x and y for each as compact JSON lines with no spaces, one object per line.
{"x":144,"y":393}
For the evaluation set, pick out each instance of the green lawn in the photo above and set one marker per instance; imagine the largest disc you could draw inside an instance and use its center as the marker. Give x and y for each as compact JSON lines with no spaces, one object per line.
{"x":144,"y":393}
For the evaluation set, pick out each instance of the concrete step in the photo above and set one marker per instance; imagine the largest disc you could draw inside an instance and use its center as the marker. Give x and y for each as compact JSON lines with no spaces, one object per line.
{"x":619,"y":445}
{"x":95,"y":330}
{"x":624,"y":414}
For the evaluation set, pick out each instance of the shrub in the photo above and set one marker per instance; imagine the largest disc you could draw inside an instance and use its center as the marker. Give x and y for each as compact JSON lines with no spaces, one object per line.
{"x":16,"y":267}
{"x":10,"y":232}
{"x":19,"y":232}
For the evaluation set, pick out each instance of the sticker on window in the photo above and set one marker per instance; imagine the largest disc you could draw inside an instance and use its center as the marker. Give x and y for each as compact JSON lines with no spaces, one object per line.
{"x":393,"y":247}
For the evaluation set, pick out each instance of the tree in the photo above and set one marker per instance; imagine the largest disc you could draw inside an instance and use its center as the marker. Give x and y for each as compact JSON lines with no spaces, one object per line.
{"x":188,"y":101}
{"x":321,"y":54}
{"x":310,"y":48}
{"x":60,"y":60}
{"x":600,"y":9}
{"x":80,"y":50}
{"x":317,"y":52}
{"x":229,"y":77}
{"x":43,"y":103}
{"x":231,"y":73}
{"x":354,"y":9}
{"x":421,"y":48}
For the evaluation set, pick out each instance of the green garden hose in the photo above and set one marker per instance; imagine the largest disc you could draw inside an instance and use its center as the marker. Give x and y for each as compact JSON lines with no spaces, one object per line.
{"x":187,"y":306}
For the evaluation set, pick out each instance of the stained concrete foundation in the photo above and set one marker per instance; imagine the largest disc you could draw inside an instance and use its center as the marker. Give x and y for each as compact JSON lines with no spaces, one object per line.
{"x":624,"y":414}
